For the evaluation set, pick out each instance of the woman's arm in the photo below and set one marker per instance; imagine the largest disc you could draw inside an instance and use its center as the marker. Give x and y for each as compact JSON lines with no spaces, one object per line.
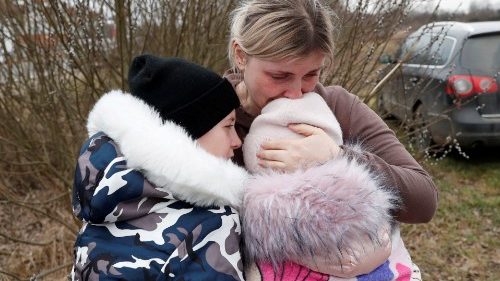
{"x":384,"y":154}
{"x":362,"y":260}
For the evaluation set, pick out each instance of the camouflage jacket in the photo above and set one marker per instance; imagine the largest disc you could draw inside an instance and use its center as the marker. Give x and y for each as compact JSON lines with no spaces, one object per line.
{"x":154,"y":205}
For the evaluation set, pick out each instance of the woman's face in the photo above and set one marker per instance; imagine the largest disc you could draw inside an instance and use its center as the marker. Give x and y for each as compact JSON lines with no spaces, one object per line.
{"x":222,"y":139}
{"x":266,"y":80}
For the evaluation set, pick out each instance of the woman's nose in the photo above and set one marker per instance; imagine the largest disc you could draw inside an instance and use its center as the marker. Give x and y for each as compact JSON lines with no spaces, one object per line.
{"x":294,"y":91}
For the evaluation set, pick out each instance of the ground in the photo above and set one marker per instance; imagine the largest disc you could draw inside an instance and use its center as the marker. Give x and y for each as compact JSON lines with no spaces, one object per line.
{"x":460,"y":243}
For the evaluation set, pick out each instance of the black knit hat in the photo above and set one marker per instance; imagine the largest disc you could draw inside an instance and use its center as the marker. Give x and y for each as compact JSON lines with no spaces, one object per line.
{"x":183,"y":92}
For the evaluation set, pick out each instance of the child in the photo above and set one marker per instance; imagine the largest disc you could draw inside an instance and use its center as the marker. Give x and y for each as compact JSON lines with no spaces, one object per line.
{"x":328,"y":222}
{"x":154,"y":185}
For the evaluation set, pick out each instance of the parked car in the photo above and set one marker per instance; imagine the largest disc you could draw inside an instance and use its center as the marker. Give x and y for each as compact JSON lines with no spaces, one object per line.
{"x":447,"y":85}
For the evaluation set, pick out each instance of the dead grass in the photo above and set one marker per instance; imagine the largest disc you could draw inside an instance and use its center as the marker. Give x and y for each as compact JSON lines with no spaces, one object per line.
{"x":461,"y":242}
{"x":32,"y":242}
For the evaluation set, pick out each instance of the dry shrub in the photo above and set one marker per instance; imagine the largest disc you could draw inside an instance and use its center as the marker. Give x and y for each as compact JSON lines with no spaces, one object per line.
{"x":366,"y":30}
{"x":58,"y":57}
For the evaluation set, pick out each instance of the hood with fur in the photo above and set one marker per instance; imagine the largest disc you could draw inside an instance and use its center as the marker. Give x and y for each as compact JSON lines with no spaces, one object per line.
{"x":305,"y":214}
{"x":165,"y":153}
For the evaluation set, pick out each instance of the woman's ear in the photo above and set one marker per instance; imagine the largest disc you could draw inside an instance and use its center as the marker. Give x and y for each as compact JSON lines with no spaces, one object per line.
{"x":239,"y":56}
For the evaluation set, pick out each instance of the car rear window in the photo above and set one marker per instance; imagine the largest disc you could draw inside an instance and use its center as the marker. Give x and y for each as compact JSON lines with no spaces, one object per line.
{"x":482,"y":52}
{"x":440,"y":51}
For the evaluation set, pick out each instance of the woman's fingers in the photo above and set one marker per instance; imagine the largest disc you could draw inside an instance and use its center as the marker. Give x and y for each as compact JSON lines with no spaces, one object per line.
{"x":281,"y":158}
{"x":274,"y":155}
{"x":275,"y":145}
{"x":285,"y":144}
{"x":287,"y":155}
{"x":274,"y":165}
{"x":305,"y":129}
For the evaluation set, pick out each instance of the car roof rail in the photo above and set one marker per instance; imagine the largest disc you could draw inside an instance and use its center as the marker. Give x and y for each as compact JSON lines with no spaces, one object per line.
{"x":462,"y":25}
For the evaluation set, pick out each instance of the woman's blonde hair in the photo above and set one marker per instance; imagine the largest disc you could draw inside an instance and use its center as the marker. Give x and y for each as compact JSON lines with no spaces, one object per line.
{"x":282,"y":29}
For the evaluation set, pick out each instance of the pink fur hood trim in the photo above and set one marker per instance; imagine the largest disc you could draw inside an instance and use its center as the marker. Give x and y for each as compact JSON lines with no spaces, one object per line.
{"x":305,"y":214}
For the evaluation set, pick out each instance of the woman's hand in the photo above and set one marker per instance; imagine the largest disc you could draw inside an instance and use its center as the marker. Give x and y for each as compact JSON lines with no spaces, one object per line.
{"x":289,"y":155}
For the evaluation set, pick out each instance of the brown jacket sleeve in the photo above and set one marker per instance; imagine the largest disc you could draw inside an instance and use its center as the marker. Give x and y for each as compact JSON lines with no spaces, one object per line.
{"x":383,"y":152}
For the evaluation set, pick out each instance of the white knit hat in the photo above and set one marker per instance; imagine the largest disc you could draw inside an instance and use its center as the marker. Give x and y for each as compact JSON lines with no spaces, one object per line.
{"x":275,"y":117}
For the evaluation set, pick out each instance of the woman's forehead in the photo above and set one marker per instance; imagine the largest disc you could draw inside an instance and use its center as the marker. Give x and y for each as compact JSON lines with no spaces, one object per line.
{"x":313,"y":61}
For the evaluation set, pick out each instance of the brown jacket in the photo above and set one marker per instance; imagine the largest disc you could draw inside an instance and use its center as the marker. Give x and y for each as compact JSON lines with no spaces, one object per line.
{"x":382,"y":151}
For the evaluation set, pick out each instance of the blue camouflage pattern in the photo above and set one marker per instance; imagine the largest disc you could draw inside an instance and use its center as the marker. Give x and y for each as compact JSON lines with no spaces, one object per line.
{"x":133,"y":230}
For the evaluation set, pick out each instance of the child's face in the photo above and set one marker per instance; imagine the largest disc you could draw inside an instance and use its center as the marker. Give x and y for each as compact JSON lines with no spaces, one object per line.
{"x":222,"y":139}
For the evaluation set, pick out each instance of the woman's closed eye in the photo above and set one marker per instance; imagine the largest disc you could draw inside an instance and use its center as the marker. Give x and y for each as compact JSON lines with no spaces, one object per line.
{"x":279,"y":77}
{"x":311,"y":75}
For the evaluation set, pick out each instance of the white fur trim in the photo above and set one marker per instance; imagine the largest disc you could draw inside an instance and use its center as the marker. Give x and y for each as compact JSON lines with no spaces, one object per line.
{"x":165,"y":153}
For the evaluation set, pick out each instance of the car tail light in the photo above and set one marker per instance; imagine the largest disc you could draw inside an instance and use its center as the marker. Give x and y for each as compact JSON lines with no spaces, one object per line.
{"x":468,"y":85}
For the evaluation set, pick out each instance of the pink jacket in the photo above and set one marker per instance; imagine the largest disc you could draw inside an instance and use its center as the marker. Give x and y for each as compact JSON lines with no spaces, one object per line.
{"x":333,"y":219}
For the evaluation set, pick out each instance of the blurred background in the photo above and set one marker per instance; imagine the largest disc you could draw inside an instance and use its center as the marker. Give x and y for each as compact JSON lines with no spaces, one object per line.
{"x":58,"y":57}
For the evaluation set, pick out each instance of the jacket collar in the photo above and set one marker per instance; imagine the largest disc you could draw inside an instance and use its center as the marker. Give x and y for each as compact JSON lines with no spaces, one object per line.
{"x":165,"y":153}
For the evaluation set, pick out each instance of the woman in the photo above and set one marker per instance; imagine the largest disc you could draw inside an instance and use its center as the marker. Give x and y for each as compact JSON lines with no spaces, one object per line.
{"x":154,"y":185}
{"x":278,"y":48}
